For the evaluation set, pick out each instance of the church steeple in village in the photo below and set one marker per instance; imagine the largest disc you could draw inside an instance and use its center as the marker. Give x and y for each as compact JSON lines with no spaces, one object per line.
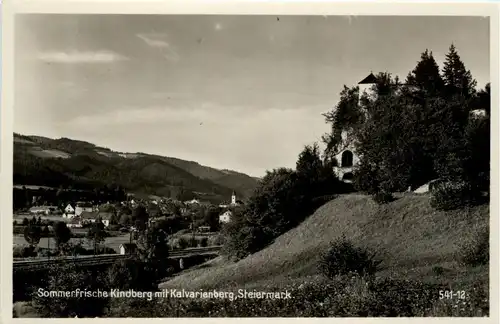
{"x":233,"y":198}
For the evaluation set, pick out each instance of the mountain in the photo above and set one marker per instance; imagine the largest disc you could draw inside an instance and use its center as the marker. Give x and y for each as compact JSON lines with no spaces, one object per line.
{"x":77,"y":164}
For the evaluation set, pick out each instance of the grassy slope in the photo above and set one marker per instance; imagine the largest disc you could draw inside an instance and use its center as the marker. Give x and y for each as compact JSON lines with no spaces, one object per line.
{"x":410,"y":236}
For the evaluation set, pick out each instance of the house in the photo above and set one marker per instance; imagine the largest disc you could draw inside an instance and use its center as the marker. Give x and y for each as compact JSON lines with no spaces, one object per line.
{"x":47,"y":210}
{"x":192,"y":201}
{"x":106,"y":217}
{"x":92,"y":217}
{"x":127,"y":248}
{"x":204,"y":229}
{"x":69,"y":209}
{"x":478,"y":113}
{"x":225,"y":217}
{"x":83,"y":207}
{"x":75,"y":222}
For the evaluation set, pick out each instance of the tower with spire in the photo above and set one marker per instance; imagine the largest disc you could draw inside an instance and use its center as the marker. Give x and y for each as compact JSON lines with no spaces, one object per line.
{"x":233,"y":198}
{"x":366,"y":85}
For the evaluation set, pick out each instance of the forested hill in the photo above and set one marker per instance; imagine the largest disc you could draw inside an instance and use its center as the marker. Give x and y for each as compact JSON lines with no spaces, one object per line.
{"x":76,"y":164}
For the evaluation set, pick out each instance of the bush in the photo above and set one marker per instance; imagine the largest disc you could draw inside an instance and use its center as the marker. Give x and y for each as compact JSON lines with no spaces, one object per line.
{"x":192,"y":242}
{"x":24,"y":252}
{"x":355,"y":297}
{"x":383,"y":197}
{"x":69,"y":277}
{"x":114,"y":227}
{"x":476,"y":251}
{"x":452,"y":195}
{"x":343,"y":258}
{"x":204,"y":242}
{"x":183,"y":243}
{"x":216,"y":240}
{"x":437,"y":270}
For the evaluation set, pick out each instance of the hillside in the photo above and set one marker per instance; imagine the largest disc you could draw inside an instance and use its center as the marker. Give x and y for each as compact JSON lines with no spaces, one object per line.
{"x":408,"y":235}
{"x":67,"y":162}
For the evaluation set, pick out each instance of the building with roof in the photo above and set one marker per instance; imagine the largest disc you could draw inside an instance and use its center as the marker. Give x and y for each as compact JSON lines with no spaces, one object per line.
{"x":127,"y":248}
{"x":47,"y":210}
{"x":92,"y":217}
{"x":347,"y":158}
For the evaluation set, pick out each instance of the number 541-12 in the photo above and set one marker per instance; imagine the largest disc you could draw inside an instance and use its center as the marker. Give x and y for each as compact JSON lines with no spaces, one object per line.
{"x":450,"y":294}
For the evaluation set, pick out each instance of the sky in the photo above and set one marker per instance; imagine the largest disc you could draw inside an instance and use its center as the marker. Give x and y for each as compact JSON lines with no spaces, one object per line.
{"x":244,"y":93}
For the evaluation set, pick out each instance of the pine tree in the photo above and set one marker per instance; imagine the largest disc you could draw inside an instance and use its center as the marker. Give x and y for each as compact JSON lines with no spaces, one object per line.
{"x":425,"y":76}
{"x":457,"y":79}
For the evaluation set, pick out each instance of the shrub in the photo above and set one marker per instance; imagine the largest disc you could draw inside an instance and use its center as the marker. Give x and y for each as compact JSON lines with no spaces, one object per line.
{"x":437,"y":270}
{"x":69,"y":277}
{"x":383,"y":197}
{"x":183,"y":243}
{"x":25,"y":221}
{"x":216,"y":240}
{"x":476,"y":252}
{"x":452,"y":195}
{"x":24,"y":252}
{"x":192,"y":242}
{"x":114,"y":227}
{"x":204,"y":242}
{"x":343,"y":258}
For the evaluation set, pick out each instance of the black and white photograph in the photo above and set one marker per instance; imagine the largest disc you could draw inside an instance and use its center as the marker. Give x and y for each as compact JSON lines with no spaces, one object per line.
{"x":243,"y":165}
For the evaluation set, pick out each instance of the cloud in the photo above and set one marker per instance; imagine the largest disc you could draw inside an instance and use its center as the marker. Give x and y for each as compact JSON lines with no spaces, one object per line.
{"x":154,"y":40}
{"x":159,"y":41}
{"x":229,"y":137}
{"x":81,"y":57}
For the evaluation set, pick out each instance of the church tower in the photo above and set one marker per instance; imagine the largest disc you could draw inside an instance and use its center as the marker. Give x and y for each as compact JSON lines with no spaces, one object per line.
{"x":365,"y":86}
{"x":233,"y":198}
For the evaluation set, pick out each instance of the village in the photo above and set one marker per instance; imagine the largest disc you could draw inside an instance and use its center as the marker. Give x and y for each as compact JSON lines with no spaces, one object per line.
{"x":190,"y":223}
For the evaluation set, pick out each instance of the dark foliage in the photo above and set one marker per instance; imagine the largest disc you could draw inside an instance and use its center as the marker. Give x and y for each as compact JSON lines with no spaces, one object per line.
{"x":62,"y":233}
{"x":71,"y":278}
{"x":383,"y":197}
{"x":343,"y":258}
{"x":283,"y":200}
{"x":418,"y":131}
{"x":453,"y":195}
{"x":477,"y":251}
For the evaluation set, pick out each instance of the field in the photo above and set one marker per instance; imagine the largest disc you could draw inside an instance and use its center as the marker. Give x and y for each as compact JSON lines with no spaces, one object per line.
{"x":113,"y":242}
{"x":409,"y":236}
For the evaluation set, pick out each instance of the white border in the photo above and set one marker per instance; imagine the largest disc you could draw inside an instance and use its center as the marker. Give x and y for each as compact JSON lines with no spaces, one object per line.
{"x":9,"y":8}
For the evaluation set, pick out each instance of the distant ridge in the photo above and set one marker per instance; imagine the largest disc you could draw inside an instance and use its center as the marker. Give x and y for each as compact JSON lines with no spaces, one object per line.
{"x":67,"y":162}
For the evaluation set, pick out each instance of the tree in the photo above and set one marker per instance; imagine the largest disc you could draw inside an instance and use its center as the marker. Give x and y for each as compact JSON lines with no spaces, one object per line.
{"x":425,"y":76}
{"x":96,"y":234}
{"x":125,"y":220}
{"x":32,"y":234}
{"x":211,"y":218}
{"x":153,"y":251}
{"x":345,"y":116}
{"x":62,"y":234}
{"x":140,"y":217}
{"x":458,"y":80}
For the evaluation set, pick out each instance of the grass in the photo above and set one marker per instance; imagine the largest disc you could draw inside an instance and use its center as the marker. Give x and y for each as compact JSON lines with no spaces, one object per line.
{"x":409,"y":235}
